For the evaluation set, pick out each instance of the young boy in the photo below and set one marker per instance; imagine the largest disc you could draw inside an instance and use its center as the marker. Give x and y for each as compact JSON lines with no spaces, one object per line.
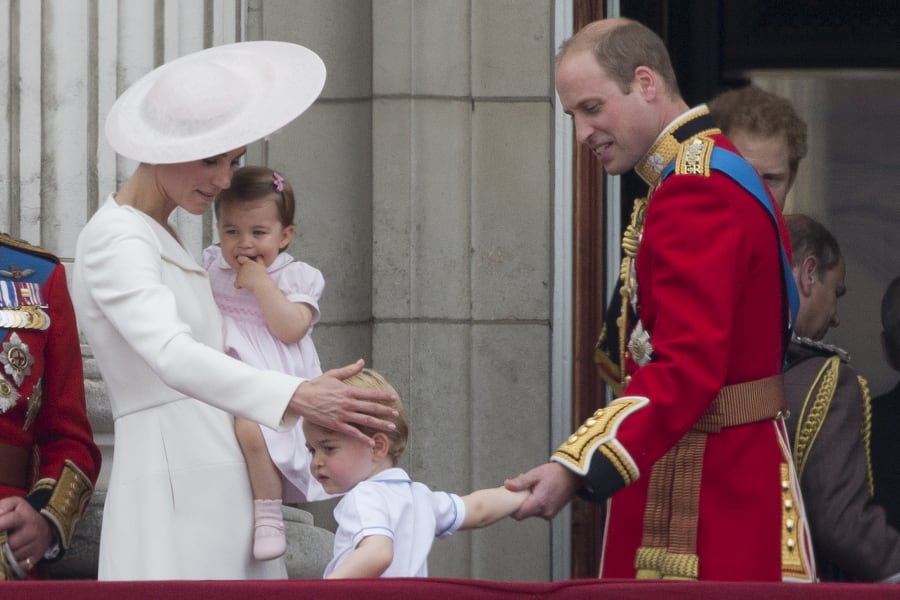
{"x":386,"y":521}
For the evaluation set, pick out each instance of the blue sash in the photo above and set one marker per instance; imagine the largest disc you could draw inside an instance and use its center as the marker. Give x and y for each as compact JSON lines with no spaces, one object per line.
{"x":742,"y":173}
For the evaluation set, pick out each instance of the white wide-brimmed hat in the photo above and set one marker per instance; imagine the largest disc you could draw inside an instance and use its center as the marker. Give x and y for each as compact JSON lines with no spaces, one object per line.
{"x":214,"y":101}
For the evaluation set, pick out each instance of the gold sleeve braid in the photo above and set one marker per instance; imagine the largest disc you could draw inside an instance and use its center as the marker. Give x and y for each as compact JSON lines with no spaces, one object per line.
{"x":598,"y":433}
{"x":68,"y":499}
{"x":4,"y":568}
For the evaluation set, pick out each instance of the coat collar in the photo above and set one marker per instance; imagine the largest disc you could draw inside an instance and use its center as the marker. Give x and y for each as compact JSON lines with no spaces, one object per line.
{"x":694,"y":122}
{"x":171,"y":248}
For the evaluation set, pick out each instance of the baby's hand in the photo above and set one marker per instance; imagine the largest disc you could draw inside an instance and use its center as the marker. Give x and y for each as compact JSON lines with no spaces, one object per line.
{"x":251,"y":271}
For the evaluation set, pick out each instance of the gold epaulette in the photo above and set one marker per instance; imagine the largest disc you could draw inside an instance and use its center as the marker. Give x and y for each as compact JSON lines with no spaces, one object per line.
{"x":598,"y":433}
{"x":7,"y":240}
{"x":694,"y":156}
{"x":68,"y":499}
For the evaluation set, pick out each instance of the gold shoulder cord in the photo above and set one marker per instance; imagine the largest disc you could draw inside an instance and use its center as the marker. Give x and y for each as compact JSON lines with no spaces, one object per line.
{"x":812,"y":415}
{"x":866,"y":433}
{"x":631,"y":240}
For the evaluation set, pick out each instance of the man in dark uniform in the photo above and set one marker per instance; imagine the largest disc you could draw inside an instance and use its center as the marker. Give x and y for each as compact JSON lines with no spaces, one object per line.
{"x":829,"y":423}
{"x":48,"y":460}
{"x":886,"y":413}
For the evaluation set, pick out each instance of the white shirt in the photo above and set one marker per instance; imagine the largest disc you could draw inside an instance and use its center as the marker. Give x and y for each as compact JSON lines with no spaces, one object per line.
{"x":408,"y":512}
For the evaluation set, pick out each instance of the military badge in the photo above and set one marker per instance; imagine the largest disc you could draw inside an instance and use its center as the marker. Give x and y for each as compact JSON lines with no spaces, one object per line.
{"x":16,"y":358}
{"x":656,"y":162}
{"x":8,"y":395}
{"x":15,"y":272}
{"x":640,"y":346}
{"x":35,"y":400}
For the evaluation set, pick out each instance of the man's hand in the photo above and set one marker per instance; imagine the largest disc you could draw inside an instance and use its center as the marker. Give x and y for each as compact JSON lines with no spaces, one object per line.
{"x":29,"y":533}
{"x":552,"y":487}
{"x":329,"y":402}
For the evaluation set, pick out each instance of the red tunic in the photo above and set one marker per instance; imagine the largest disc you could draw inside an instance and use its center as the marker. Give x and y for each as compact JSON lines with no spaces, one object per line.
{"x":43,"y":403}
{"x":709,"y":285}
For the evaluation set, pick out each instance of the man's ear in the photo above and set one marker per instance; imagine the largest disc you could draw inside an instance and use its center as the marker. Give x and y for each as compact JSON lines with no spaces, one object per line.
{"x":382,"y":446}
{"x":806,"y":275}
{"x":645,"y":82}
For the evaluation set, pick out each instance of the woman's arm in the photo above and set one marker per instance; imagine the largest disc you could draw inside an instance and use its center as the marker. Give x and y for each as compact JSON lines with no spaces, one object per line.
{"x":371,"y":558}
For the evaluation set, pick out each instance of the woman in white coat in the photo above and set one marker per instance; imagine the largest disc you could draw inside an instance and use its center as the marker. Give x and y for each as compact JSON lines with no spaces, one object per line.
{"x":179,"y":504}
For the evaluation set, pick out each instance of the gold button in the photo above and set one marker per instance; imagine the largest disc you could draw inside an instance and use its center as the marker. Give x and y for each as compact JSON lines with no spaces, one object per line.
{"x":789,"y":505}
{"x":790,"y":524}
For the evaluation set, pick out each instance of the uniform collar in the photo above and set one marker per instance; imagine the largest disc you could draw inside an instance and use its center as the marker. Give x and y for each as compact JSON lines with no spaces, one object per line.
{"x":696,"y":121}
{"x":807,"y":346}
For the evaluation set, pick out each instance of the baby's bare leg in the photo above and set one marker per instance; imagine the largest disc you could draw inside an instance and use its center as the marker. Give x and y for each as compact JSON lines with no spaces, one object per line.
{"x":268,"y":538}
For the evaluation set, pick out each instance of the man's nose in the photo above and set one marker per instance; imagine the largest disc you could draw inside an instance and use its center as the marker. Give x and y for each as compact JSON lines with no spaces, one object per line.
{"x":583,"y":131}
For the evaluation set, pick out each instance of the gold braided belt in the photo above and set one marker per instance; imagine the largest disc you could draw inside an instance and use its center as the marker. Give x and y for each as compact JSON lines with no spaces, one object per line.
{"x":669,"y":544}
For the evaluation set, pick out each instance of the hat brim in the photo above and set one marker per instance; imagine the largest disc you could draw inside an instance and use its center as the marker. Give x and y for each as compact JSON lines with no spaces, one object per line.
{"x":213,"y":101}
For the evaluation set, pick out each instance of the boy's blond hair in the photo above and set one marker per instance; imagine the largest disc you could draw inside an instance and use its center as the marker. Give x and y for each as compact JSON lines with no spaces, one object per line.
{"x":373,"y":380}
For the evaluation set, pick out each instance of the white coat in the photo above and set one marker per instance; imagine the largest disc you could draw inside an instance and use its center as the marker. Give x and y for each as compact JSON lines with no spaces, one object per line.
{"x":179,"y":504}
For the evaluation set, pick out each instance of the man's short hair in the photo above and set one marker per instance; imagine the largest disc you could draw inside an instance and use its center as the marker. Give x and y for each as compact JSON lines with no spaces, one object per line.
{"x":758,"y":112}
{"x":890,"y":318}
{"x":620,"y":46}
{"x":811,"y":238}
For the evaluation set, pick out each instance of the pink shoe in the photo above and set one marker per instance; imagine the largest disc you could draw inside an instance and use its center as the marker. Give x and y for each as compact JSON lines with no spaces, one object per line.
{"x":268,"y":530}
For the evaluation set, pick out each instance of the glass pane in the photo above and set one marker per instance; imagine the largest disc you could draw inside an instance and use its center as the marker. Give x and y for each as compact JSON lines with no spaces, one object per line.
{"x":850,"y":181}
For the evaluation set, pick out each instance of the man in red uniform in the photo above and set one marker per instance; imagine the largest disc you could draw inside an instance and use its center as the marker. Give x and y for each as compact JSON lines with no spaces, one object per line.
{"x":693,"y":454}
{"x":48,"y":460}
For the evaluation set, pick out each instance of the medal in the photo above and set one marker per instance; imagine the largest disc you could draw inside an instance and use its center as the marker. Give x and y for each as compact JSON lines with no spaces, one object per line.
{"x":35,"y":400}
{"x":640,"y":346}
{"x":16,"y":358}
{"x":22,"y":306}
{"x":8,"y":395}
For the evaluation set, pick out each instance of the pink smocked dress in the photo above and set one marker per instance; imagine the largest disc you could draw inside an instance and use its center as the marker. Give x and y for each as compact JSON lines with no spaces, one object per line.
{"x":248,"y":338}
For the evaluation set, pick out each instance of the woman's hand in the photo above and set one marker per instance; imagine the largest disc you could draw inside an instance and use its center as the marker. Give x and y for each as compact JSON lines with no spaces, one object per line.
{"x":329,"y":402}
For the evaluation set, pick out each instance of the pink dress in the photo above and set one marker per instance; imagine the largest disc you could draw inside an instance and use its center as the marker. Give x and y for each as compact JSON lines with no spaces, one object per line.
{"x":248,"y":338}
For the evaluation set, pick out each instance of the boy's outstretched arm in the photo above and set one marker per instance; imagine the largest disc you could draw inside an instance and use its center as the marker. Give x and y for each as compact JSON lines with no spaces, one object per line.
{"x":484,"y":507}
{"x":371,"y":558}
